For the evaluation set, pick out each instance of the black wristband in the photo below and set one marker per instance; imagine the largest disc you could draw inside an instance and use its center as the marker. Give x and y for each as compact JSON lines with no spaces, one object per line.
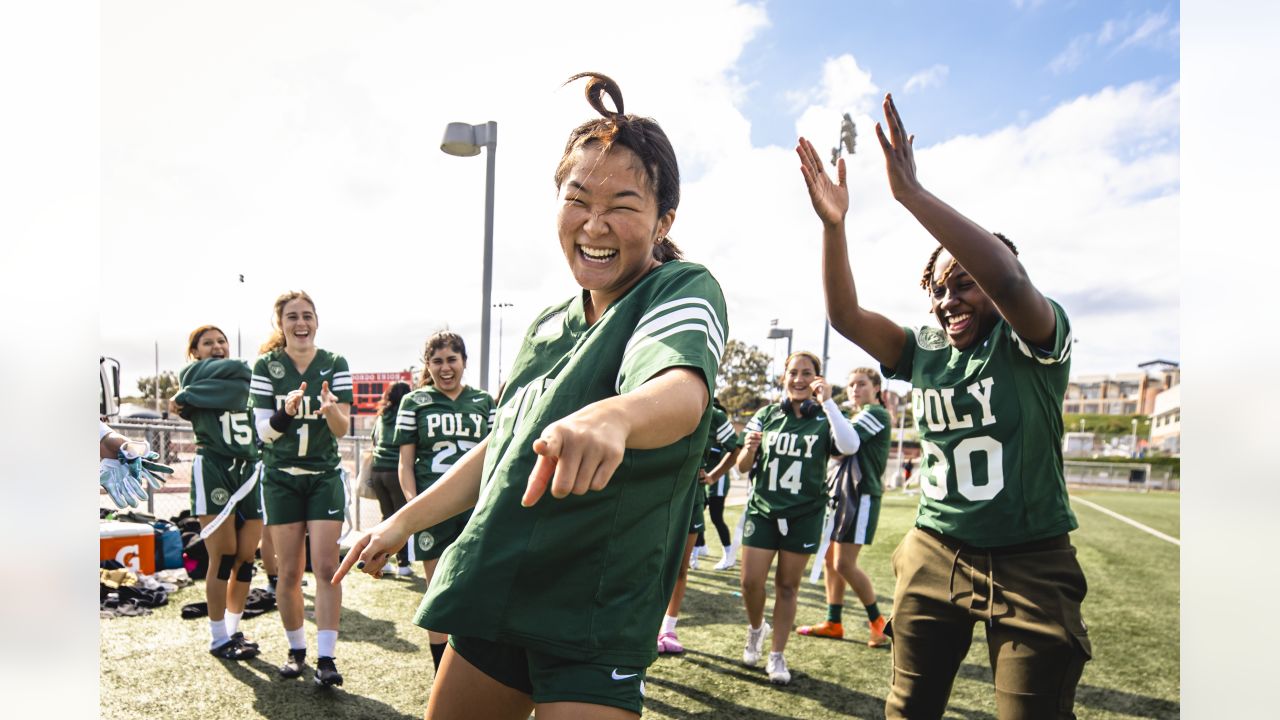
{"x":280,"y":421}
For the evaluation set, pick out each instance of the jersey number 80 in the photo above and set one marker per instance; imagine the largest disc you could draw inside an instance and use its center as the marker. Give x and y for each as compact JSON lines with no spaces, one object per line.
{"x":933,"y":481}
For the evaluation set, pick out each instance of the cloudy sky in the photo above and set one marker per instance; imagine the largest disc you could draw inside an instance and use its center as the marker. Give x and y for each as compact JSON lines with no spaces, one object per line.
{"x":297,"y":143}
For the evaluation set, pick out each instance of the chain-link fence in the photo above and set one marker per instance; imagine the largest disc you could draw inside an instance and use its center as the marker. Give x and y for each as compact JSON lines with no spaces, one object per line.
{"x":176,"y":445}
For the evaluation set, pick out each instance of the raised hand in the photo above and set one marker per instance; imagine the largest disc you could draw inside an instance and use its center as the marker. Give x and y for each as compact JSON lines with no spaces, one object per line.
{"x":751,"y":441}
{"x":899,"y":157}
{"x":327,"y":398}
{"x":294,"y":399}
{"x":821,"y":389}
{"x":830,"y":201}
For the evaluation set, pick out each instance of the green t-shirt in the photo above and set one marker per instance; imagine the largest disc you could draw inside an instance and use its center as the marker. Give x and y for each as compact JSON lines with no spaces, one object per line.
{"x":587,"y":577}
{"x":990,"y":424}
{"x":214,"y":396}
{"x":721,"y":439}
{"x":790,"y":470}
{"x":443,"y":430}
{"x":307,"y":443}
{"x":872,"y":425}
{"x":386,"y":454}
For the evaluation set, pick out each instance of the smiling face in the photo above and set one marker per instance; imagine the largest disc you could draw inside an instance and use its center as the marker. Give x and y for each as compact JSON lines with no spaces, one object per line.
{"x":211,"y":344}
{"x":964,"y":311}
{"x":798,"y":377}
{"x":299,"y":323}
{"x":445,"y":366}
{"x":608,"y":222}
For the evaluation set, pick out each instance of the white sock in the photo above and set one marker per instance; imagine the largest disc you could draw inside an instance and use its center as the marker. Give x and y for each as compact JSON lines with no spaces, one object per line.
{"x":297,"y":639}
{"x":326,"y":642}
{"x":775,"y":655}
{"x":218,"y":629}
{"x":669,"y":624}
{"x":754,"y":628}
{"x":233,"y":621}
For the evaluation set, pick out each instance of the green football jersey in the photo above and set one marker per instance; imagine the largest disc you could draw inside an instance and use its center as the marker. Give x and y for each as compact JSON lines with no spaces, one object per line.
{"x":872,"y":425}
{"x":442,"y":429}
{"x":586,"y":577}
{"x":214,"y":397}
{"x":990,"y":424}
{"x":386,"y":454}
{"x":308,"y":443}
{"x":790,"y":471}
{"x":721,"y":439}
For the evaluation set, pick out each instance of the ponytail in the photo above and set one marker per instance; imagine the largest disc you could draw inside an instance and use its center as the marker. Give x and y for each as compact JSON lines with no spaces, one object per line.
{"x":665,"y":250}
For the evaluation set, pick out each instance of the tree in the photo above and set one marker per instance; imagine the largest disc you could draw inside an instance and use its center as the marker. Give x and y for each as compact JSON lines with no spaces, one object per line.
{"x":168,"y":385}
{"x":743,"y":382}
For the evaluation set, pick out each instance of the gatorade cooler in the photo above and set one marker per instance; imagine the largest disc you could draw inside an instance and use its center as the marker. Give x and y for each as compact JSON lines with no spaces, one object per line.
{"x":131,"y":544}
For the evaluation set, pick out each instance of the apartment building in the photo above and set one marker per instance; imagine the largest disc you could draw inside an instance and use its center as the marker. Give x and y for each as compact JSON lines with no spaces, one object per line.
{"x":1129,"y":393}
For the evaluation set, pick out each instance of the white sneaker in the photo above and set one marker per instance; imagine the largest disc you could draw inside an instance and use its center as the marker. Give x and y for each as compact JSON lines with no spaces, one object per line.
{"x":404,"y":570}
{"x":701,"y":550}
{"x":693,"y":559}
{"x":729,"y":560}
{"x":776,"y":666}
{"x":388,"y":569}
{"x":755,"y":644}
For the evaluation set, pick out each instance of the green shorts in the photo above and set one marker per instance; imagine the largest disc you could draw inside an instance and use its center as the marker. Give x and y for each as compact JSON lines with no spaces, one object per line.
{"x":798,"y":534}
{"x":430,"y":544}
{"x":698,"y":520}
{"x":289,"y":498}
{"x":547,"y":678}
{"x":858,"y":524}
{"x":215,"y":479}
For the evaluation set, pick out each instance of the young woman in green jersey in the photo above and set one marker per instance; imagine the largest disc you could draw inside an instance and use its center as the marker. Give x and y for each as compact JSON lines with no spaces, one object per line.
{"x":990,"y":541}
{"x":857,"y":498}
{"x":386,"y":461}
{"x":214,"y":396}
{"x":552,"y":602}
{"x":435,"y":425}
{"x":302,"y":404}
{"x":785,"y":448}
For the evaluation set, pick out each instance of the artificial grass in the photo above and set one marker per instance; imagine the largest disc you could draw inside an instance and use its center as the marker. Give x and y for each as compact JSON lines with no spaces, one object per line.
{"x":158,"y":665}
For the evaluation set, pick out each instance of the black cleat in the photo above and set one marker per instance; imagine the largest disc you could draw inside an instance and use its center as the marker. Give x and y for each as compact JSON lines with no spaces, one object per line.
{"x":292,"y":667}
{"x":327,"y":673}
{"x":235,"y":649}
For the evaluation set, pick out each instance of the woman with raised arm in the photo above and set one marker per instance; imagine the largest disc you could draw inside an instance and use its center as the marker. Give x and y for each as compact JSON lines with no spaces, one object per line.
{"x":552,"y":602}
{"x":301,"y":405}
{"x":214,"y":396}
{"x":788,"y":444}
{"x":990,"y":542}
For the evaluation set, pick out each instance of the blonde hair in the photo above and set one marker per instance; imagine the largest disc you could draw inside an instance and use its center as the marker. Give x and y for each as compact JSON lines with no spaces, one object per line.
{"x":817,"y":363}
{"x":276,"y":341}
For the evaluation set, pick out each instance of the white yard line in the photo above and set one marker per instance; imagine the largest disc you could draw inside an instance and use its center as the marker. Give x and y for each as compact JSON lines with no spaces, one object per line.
{"x":1121,"y":518}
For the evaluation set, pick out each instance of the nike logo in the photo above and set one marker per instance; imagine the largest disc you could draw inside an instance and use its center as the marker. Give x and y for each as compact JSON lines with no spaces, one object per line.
{"x":616,"y":676}
{"x":334,"y":512}
{"x":326,"y":372}
{"x":809,"y":545}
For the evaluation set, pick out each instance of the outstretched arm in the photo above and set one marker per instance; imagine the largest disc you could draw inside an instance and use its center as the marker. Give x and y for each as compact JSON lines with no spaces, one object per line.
{"x":871,"y":331}
{"x":987,"y":260}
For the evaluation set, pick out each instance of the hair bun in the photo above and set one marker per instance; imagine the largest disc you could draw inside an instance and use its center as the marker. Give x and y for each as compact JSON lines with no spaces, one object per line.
{"x":597,"y":86}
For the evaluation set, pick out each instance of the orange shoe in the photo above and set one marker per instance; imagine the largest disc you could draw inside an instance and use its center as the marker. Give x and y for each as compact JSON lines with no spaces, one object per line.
{"x":878,"y":638}
{"x":826,"y":629}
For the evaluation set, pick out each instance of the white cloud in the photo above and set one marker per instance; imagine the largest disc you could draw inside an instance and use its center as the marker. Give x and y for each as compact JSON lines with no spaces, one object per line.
{"x":1117,"y":34}
{"x":301,"y":149}
{"x":927,"y":78}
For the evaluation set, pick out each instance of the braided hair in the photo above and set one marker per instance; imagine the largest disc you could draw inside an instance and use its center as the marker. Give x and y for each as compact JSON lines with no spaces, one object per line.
{"x":926,"y":279}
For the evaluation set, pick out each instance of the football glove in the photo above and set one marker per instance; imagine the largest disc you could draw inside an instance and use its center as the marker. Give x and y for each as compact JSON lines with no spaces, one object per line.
{"x":143,"y":466}
{"x":120,"y":484}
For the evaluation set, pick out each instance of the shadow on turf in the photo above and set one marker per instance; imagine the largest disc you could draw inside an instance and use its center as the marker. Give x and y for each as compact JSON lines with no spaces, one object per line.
{"x":1098,"y":698}
{"x":276,"y":697}
{"x":840,"y":700}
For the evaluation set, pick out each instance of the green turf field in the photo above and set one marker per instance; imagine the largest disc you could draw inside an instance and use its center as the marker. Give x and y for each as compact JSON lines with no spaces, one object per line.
{"x":157,"y":666}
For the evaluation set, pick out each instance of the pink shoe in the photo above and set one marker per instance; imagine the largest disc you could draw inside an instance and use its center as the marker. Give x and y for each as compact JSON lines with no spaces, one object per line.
{"x":669,"y":644}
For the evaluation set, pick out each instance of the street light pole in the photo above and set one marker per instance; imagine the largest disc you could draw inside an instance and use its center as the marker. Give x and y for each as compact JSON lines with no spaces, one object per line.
{"x":500,"y":307}
{"x":465,"y":140}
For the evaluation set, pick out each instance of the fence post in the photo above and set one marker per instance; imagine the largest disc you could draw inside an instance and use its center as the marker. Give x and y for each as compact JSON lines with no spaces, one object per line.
{"x":357,"y":461}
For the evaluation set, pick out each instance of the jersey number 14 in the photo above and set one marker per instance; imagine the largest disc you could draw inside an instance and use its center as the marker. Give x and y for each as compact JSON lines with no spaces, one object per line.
{"x":790,"y":479}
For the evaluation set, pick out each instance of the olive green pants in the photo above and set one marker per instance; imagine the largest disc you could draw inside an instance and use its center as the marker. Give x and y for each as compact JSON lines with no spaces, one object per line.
{"x":1029,"y":595}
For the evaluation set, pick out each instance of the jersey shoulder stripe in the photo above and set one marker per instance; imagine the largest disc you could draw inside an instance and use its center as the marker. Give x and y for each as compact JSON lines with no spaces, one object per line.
{"x":868,"y":421}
